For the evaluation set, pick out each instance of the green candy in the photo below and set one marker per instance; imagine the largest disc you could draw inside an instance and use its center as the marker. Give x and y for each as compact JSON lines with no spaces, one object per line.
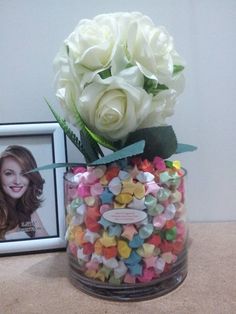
{"x":115,"y":281}
{"x":170,"y":234}
{"x":163,"y":194}
{"x":158,"y":209}
{"x":150,"y":201}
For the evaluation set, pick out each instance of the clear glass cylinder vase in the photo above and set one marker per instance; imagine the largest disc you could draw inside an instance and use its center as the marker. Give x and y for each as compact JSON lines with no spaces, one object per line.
{"x":126,"y":229}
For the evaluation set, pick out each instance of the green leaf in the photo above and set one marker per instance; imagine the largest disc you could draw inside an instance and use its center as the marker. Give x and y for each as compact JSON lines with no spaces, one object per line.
{"x":90,"y":146}
{"x":183,"y":148}
{"x":105,"y":73}
{"x":54,"y":166}
{"x":153,"y":87}
{"x":128,"y":151}
{"x":178,"y":68}
{"x":69,"y":133}
{"x":160,"y":141}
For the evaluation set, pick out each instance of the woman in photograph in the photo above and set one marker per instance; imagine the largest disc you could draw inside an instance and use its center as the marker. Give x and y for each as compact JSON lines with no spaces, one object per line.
{"x":20,"y":195}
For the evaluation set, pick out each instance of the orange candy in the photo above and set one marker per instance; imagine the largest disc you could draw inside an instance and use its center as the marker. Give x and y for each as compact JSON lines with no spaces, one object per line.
{"x":170,"y":224}
{"x":109,"y":252}
{"x":92,"y":224}
{"x":93,"y":212}
{"x":112,"y":172}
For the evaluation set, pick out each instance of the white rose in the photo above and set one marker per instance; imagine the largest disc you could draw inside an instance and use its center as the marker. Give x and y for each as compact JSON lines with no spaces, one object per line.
{"x":152,"y":49}
{"x":93,"y":42}
{"x":66,"y":84}
{"x":162,"y":107}
{"x":113,"y":108}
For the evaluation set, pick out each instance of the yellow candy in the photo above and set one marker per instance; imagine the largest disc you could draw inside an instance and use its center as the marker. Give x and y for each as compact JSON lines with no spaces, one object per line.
{"x":78,"y":235}
{"x":176,"y":164}
{"x":117,"y":205}
{"x":98,"y":247}
{"x":128,"y":186}
{"x":123,"y":249}
{"x":90,"y":273}
{"x":90,"y":200}
{"x":124,"y":198}
{"x":146,"y":250}
{"x":100,"y":276}
{"x":139,"y":191}
{"x":106,"y":240}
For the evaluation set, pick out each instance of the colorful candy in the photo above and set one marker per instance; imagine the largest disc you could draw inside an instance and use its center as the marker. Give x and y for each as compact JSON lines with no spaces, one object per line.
{"x":131,"y":252}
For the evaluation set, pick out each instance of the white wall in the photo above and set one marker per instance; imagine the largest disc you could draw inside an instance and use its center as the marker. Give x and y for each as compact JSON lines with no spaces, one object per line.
{"x":31,"y":32}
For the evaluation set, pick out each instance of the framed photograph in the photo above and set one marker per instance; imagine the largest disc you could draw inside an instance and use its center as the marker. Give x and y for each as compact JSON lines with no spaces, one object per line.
{"x":32,"y":215}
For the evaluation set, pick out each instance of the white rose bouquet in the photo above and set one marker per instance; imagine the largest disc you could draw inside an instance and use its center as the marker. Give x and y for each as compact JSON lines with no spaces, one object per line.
{"x":117,"y":79}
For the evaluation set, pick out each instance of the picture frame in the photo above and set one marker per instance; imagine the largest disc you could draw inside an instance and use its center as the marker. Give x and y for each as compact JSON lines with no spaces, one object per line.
{"x":47,"y":144}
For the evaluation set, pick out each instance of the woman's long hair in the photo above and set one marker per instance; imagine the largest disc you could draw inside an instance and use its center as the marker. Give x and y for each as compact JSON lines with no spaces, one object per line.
{"x":19,"y":214}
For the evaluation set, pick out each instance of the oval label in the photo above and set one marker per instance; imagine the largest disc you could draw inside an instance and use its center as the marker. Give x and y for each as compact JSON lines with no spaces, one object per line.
{"x":124,"y":215}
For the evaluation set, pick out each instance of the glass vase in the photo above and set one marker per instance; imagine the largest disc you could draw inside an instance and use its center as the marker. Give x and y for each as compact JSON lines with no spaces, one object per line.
{"x":126,"y":229}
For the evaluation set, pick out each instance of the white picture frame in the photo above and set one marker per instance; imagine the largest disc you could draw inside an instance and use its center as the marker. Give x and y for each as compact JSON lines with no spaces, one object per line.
{"x":46,"y":142}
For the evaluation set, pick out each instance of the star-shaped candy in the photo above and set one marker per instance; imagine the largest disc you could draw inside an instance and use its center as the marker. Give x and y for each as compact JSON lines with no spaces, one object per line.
{"x":81,"y":255}
{"x":106,"y":271}
{"x":88,"y":248}
{"x":146,"y":231}
{"x":90,"y":236}
{"x":98,"y":247}
{"x":159,"y":164}
{"x":147,"y":276}
{"x":136,"y":241}
{"x":124,"y":175}
{"x":106,"y":196}
{"x":104,"y":222}
{"x":92,"y":265}
{"x":137,"y":203}
{"x":114,"y":281}
{"x":129,"y":278}
{"x":145,"y":176}
{"x":150,"y":261}
{"x":123,"y":249}
{"x":134,"y":171}
{"x":78,"y":235}
{"x":110,"y":262}
{"x":134,"y":258}
{"x":114,"y":230}
{"x":120,"y":270}
{"x":100,"y":276}
{"x":114,"y":186}
{"x":93,"y":212}
{"x":152,"y":188}
{"x":109,"y":252}
{"x":129,"y":231}
{"x":96,"y":258}
{"x":123,"y":198}
{"x":106,"y":240}
{"x":91,"y":273}
{"x":146,"y":250}
{"x":128,"y":186}
{"x":112,"y":172}
{"x":135,"y":269}
{"x":90,"y":200}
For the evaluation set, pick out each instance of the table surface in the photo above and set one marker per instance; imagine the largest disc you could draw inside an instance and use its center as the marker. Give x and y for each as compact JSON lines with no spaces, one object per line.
{"x":38,"y":283}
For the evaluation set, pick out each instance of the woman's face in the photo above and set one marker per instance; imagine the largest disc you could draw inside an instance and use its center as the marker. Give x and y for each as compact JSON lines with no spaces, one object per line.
{"x":14,"y":182}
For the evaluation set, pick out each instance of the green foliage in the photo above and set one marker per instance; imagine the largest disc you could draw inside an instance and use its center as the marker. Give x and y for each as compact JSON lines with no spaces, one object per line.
{"x":128,"y":151}
{"x":105,"y":73}
{"x":160,"y":141}
{"x":178,"y":68}
{"x":153,"y":87}
{"x":69,"y":133}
